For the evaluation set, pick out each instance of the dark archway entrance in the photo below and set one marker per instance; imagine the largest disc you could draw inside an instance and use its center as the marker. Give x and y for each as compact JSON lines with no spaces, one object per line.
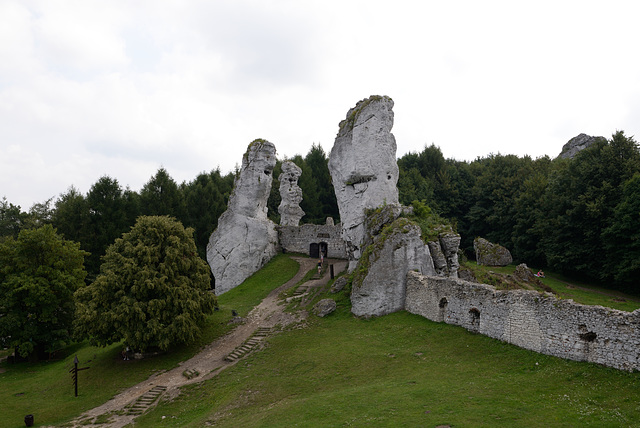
{"x":323,"y":248}
{"x":314,"y":250}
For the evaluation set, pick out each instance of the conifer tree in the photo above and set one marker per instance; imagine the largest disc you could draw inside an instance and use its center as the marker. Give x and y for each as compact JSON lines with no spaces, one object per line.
{"x":152,"y":291}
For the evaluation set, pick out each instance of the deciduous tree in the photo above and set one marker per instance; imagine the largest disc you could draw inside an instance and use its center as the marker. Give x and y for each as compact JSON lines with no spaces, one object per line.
{"x":39,"y":272}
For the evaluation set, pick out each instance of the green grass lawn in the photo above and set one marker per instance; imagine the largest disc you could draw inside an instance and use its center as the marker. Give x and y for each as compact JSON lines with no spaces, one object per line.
{"x":402,"y":370}
{"x":397,"y":370}
{"x":46,"y":390}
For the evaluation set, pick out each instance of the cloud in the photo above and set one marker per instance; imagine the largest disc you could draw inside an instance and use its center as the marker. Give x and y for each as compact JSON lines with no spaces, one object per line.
{"x":79,"y":36}
{"x":121,"y":88}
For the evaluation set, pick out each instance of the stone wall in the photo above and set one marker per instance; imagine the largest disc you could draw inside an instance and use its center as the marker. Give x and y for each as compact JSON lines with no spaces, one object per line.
{"x":531,"y":320}
{"x":298,"y":239}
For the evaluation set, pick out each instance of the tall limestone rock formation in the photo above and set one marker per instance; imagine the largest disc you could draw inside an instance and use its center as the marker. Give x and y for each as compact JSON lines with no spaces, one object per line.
{"x":363,"y":167}
{"x":245,"y":239}
{"x":291,"y":194}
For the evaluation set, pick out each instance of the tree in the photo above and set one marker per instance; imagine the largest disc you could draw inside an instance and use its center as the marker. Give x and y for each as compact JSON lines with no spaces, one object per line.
{"x":412,"y":186}
{"x":111,"y":212}
{"x":622,"y":239}
{"x":161,"y":196}
{"x":205,"y":202}
{"x":499,"y":182}
{"x":273,"y":203}
{"x":152,"y":291}
{"x":318,"y":162}
{"x":580,"y":204}
{"x":39,"y":272}
{"x":530,"y":214}
{"x":40,"y":213}
{"x":310,"y":198}
{"x":12,"y":219}
{"x":71,"y":215}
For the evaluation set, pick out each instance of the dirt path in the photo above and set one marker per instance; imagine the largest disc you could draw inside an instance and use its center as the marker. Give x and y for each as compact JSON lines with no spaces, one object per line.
{"x":127,"y":405}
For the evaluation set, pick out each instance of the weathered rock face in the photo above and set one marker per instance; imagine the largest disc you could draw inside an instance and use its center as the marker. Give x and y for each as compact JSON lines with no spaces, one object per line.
{"x":363,"y":167}
{"x":444,"y":253}
{"x":577,"y":144}
{"x":338,"y":285}
{"x":245,"y":239}
{"x":379,"y":286}
{"x":524,"y":274}
{"x":291,"y":194}
{"x":489,"y":254}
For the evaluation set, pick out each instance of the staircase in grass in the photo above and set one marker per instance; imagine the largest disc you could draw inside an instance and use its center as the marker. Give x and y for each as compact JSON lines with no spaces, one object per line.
{"x":249,"y":345}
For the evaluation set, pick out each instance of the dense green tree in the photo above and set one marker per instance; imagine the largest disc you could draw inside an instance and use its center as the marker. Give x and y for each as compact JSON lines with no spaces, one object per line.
{"x":39,"y":272}
{"x":453,"y":194}
{"x":622,"y":239}
{"x":499,"y":181}
{"x":318,"y":162}
{"x":161,"y":196}
{"x":310,"y":196}
{"x":12,"y":219}
{"x":273,"y":203}
{"x":204,"y":202}
{"x":111,"y":212}
{"x":581,"y":199}
{"x":445,"y":184}
{"x":152,"y":291}
{"x":40,"y":213}
{"x":530,"y":214}
{"x":71,"y":215}
{"x":412,"y":186}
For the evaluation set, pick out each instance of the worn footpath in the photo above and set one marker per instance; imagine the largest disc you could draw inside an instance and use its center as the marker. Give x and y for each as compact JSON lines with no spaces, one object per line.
{"x":122,"y":409}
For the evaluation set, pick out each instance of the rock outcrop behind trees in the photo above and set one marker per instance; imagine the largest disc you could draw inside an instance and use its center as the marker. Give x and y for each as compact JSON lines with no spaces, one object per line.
{"x":576,"y":144}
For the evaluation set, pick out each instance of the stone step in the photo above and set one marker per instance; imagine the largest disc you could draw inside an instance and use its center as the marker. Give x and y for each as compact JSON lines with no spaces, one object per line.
{"x":249,"y":345}
{"x":143,"y":402}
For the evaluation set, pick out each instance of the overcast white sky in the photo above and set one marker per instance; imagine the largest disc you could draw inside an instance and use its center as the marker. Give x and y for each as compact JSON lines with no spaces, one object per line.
{"x":121,"y":88}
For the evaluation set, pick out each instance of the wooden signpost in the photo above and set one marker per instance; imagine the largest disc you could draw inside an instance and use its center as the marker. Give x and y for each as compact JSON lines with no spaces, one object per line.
{"x":74,"y":373}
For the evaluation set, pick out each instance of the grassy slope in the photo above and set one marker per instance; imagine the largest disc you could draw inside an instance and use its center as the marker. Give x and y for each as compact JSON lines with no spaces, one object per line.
{"x":566,"y":288}
{"x":402,"y":370}
{"x":46,"y":389}
{"x":399,"y":369}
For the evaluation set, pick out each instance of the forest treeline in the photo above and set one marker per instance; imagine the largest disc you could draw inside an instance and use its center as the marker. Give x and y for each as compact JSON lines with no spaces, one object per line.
{"x":578,"y":216}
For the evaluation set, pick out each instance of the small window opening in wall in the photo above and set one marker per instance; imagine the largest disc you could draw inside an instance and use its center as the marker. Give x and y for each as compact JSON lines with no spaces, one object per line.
{"x":443,"y":303}
{"x":475,"y":317}
{"x":589,"y":336}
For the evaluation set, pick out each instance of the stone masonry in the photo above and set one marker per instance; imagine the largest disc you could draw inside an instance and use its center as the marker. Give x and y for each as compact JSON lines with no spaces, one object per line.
{"x":297,"y":239}
{"x":531,"y":320}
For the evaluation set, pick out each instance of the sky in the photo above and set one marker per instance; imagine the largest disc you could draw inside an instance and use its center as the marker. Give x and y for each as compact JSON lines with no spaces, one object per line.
{"x":121,"y":88}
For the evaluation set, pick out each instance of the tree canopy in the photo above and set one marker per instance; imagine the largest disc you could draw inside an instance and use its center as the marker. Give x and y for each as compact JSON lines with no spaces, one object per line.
{"x":39,"y":272}
{"x":152,"y":291}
